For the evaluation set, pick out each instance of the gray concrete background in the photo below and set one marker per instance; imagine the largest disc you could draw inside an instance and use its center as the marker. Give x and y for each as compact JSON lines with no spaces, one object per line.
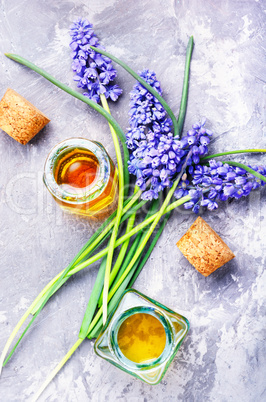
{"x":223,"y":356}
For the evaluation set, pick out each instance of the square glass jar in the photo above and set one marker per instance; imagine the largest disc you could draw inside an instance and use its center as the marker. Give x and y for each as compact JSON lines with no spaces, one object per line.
{"x":175,"y":326}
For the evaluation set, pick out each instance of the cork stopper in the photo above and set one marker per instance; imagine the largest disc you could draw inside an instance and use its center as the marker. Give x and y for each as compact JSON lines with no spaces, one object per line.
{"x":19,"y":118}
{"x":203,"y":248}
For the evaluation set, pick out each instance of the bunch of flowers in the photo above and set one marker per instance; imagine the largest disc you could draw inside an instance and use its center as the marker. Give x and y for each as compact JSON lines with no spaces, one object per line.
{"x":93,"y":71}
{"x":156,"y":155}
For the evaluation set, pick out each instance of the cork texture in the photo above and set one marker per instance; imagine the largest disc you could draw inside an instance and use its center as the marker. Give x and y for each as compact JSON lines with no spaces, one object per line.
{"x":203,"y":248}
{"x":19,"y":118}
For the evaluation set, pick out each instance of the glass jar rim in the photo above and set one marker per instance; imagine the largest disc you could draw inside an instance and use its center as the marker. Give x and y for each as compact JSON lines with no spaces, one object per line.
{"x":91,"y":192}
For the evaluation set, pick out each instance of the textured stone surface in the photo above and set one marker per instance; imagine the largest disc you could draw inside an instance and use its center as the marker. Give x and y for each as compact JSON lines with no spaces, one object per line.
{"x":223,"y":356}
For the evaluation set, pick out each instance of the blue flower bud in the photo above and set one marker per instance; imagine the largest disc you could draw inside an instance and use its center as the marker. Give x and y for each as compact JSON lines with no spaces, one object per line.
{"x":230,"y":176}
{"x":204,"y":140}
{"x":164,"y":159}
{"x":189,"y":205}
{"x":223,"y":170}
{"x":196,"y":208}
{"x":229,"y":190}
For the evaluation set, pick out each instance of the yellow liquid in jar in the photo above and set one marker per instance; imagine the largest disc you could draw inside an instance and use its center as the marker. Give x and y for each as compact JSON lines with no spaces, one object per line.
{"x":78,"y":169}
{"x":141,"y":338}
{"x":75,"y":172}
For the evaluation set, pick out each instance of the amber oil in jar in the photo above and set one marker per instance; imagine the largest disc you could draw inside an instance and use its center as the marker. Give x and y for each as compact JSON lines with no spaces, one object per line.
{"x":141,"y":338}
{"x":76,"y":170}
{"x":82,"y":178}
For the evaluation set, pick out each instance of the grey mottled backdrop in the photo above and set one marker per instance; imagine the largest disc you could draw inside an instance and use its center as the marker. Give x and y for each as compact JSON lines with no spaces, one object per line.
{"x":223,"y":357}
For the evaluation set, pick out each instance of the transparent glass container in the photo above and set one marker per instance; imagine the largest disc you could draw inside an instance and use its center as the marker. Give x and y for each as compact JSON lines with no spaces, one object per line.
{"x":175,"y":326}
{"x":82,"y":178}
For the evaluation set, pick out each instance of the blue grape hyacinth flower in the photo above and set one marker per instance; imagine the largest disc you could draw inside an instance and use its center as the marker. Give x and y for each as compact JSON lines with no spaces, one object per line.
{"x":156,"y":155}
{"x":216,"y":182}
{"x":93,"y":71}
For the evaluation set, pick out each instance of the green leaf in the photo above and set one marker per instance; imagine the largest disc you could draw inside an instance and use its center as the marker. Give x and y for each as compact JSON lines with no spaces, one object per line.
{"x":184,"y":98}
{"x":93,"y":300}
{"x":240,"y":151}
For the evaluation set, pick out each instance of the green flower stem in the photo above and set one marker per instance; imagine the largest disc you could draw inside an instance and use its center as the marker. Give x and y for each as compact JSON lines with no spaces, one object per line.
{"x":156,"y":220}
{"x":122,"y":252}
{"x":102,"y":253}
{"x":128,"y":283}
{"x":77,"y":95}
{"x":123,"y":174}
{"x":184,"y":97}
{"x":96,"y":292}
{"x":248,"y":169}
{"x":119,"y":211}
{"x":127,"y":260}
{"x":93,"y":300}
{"x":144,"y":83}
{"x":148,"y":253}
{"x":78,"y":268}
{"x":140,"y":236}
{"x":240,"y":151}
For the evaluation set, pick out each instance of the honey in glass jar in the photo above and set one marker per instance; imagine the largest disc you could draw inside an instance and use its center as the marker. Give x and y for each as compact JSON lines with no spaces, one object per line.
{"x":82,"y":177}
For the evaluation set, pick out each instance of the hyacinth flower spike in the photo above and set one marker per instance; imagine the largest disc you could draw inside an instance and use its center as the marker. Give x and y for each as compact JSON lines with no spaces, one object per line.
{"x":93,"y":72}
{"x":220,"y":181}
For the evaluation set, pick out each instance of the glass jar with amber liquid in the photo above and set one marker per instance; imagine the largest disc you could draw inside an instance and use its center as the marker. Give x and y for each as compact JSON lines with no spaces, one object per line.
{"x":141,"y":337}
{"x":82,"y":178}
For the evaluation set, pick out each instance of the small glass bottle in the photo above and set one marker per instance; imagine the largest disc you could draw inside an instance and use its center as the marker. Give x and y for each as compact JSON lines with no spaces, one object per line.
{"x":82,"y":178}
{"x":141,"y":337}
